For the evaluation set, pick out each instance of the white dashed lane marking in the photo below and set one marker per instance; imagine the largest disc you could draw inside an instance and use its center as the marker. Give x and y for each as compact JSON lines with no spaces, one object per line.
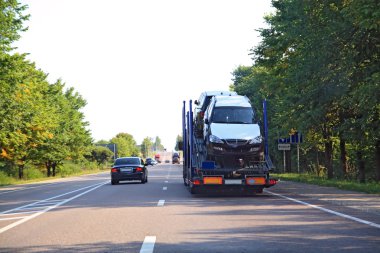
{"x":148,"y":244}
{"x":161,"y":202}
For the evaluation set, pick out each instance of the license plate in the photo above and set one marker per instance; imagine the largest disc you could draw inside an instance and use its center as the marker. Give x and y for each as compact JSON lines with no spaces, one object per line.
{"x":232,"y":181}
{"x":126,"y":170}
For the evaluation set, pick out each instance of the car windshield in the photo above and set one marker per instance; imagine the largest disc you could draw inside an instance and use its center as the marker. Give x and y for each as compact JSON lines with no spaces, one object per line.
{"x":128,"y":160}
{"x":233,"y":115}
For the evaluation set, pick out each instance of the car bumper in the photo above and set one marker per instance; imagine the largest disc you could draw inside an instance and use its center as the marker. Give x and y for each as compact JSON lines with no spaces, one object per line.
{"x":127,"y":176}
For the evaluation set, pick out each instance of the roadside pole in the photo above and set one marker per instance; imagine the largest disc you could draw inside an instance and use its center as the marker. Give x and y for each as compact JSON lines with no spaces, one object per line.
{"x":298,"y":157}
{"x":284,"y":147}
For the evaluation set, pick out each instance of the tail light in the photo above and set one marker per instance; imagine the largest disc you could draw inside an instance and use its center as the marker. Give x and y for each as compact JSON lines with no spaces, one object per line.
{"x":139,"y":169}
{"x":197,"y":182}
{"x":272,"y":181}
{"x":113,"y":170}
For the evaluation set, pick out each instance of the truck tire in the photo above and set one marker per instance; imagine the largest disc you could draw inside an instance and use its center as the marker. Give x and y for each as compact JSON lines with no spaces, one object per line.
{"x":192,"y":190}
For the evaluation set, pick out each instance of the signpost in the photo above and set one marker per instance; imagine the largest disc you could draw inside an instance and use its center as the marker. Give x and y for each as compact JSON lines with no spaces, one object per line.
{"x":284,"y":144}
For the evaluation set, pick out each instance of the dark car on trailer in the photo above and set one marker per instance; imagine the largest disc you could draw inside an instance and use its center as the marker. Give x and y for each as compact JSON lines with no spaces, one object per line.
{"x":128,"y":169}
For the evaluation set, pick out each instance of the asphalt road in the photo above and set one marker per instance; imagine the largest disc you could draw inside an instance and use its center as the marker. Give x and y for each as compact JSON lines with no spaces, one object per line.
{"x":88,"y":214}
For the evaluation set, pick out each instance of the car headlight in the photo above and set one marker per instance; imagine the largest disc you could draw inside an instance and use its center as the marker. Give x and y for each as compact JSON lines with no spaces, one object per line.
{"x":256,"y":140}
{"x":215,"y":139}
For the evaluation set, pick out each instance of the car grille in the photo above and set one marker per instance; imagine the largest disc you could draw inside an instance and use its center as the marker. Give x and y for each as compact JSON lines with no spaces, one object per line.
{"x":236,"y":142}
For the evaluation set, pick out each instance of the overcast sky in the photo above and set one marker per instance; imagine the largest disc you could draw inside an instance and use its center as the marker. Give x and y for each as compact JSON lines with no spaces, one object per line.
{"x":135,"y":61}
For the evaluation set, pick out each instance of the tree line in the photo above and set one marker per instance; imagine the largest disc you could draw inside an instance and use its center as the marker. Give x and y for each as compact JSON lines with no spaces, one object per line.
{"x":318,"y":65}
{"x":41,"y":123}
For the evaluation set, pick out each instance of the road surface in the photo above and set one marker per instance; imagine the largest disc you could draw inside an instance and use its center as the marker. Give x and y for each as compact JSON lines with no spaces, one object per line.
{"x":88,"y":214}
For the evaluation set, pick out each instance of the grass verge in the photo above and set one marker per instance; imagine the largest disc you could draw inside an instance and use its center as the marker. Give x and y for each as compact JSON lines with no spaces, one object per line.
{"x":66,"y":170}
{"x":370,"y":187}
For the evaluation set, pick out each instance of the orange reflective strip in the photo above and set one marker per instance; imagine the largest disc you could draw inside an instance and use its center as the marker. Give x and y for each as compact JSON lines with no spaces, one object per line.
{"x":255,"y":180}
{"x":213,"y":180}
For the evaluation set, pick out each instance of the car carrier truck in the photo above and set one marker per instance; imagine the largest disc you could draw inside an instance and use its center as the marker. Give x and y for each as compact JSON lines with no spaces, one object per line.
{"x":232,"y":152}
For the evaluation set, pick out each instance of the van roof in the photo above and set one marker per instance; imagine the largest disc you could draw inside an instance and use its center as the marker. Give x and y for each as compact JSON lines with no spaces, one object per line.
{"x":220,"y":92}
{"x":241,"y":101}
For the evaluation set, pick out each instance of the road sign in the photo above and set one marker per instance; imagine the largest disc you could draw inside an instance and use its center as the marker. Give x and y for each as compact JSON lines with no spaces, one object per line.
{"x":284,"y":146}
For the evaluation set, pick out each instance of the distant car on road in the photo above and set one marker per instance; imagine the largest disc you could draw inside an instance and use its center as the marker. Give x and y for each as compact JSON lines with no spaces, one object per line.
{"x":129,"y":168}
{"x":175,"y":160}
{"x":150,"y":161}
{"x":157,"y":158}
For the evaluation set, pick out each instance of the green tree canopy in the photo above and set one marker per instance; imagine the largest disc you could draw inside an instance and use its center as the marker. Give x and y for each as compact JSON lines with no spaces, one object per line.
{"x":126,"y":145}
{"x":11,"y":20}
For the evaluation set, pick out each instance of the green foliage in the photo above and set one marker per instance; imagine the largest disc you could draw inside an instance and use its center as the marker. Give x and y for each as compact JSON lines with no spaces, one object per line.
{"x":319,"y":67}
{"x":371,"y":187}
{"x":126,"y":145}
{"x":5,"y":179}
{"x":11,"y":20}
{"x":68,"y":169}
{"x":100,"y":154}
{"x":157,"y":144}
{"x":179,"y":143}
{"x":33,"y":173}
{"x":146,"y":147}
{"x":40,"y":123}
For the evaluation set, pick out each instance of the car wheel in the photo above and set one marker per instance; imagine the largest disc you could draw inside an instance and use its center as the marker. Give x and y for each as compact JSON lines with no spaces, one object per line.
{"x":143,"y":180}
{"x":113,"y":182}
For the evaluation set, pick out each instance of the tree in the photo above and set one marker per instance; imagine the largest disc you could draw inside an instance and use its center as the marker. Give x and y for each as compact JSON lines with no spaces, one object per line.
{"x":146,"y":146}
{"x":318,"y":62}
{"x":157,"y":144}
{"x":70,"y":139}
{"x":126,"y":145}
{"x":11,"y":20}
{"x":179,"y":143}
{"x":25,"y":120}
{"x":100,"y":154}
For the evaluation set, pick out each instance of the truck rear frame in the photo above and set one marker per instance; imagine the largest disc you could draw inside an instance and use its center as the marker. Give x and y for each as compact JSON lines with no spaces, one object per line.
{"x":202,"y":176}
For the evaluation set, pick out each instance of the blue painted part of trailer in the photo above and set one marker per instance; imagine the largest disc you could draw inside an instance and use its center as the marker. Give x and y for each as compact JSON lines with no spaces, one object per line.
{"x":191,"y":138}
{"x":208,"y":165}
{"x":187,"y":141}
{"x":266,"y":134}
{"x":184,"y":134}
{"x":266,"y":150}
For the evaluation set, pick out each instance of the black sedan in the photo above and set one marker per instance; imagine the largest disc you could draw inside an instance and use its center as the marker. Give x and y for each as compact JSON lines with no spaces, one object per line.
{"x":129,"y":168}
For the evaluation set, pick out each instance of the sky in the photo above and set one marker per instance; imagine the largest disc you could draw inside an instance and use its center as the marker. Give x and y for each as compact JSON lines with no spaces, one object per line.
{"x":136,"y":61}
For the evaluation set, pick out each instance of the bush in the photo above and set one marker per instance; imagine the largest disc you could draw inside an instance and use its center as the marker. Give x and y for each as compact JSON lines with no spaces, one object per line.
{"x":32,"y":173}
{"x":5,"y":179}
{"x":67,"y":169}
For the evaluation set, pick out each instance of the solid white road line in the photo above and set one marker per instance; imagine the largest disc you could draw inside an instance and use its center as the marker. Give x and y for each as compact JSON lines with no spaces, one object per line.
{"x":50,"y":207}
{"x":327,"y":210}
{"x":49,"y":199}
{"x":161,"y":202}
{"x":164,"y":188}
{"x":148,"y":244}
{"x":13,"y":218}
